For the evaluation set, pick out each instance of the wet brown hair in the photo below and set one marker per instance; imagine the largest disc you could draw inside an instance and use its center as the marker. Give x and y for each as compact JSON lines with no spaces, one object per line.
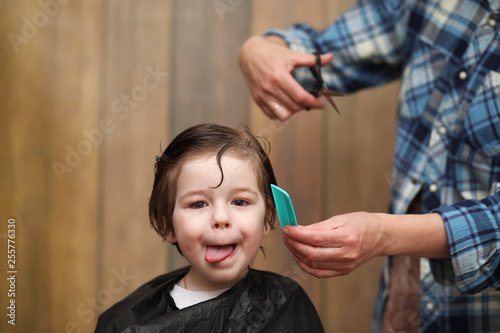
{"x":206,"y":139}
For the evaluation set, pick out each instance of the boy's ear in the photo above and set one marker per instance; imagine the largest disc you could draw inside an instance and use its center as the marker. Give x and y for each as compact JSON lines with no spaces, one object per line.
{"x":267,"y":226}
{"x":170,"y":237}
{"x":266,"y":230}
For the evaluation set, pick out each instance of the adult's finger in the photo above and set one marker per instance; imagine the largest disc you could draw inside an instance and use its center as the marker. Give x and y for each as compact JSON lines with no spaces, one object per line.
{"x":322,"y":261}
{"x":315,"y":234}
{"x":309,"y":60}
{"x":279,"y":105}
{"x":283,"y":90}
{"x":316,"y":271}
{"x":312,"y":252}
{"x":299,"y":97}
{"x":293,"y":89}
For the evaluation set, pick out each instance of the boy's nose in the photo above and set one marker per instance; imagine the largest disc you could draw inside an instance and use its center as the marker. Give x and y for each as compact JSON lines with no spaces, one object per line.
{"x":218,"y":225}
{"x":221,"y":219}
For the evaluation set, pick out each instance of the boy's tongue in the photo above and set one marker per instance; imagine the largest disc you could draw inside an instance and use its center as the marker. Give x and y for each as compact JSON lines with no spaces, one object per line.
{"x":218,"y":253}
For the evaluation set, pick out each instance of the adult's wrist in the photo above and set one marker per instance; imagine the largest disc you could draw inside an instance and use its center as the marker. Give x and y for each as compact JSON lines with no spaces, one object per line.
{"x":422,"y":235}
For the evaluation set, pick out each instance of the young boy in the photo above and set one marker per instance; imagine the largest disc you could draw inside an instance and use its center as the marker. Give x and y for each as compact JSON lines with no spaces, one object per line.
{"x":212,"y":199}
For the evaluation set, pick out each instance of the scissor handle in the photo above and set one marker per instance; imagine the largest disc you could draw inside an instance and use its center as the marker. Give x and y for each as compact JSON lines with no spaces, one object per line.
{"x":316,"y":70}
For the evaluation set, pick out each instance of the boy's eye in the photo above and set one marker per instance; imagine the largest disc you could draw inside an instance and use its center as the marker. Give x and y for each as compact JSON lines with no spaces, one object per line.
{"x":198,"y":205}
{"x":240,"y":202}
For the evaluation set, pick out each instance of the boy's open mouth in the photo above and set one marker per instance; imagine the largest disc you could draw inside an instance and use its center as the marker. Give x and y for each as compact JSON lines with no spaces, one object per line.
{"x":216,"y":253}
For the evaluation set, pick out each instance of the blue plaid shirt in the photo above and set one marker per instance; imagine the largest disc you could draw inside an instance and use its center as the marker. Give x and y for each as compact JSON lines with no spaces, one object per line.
{"x":447,"y":54}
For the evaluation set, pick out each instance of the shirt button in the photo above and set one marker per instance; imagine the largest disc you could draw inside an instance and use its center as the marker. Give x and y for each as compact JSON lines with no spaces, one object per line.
{"x":429,"y":306}
{"x":433,"y":188}
{"x":492,"y":20}
{"x":442,"y":130}
{"x":462,"y":75}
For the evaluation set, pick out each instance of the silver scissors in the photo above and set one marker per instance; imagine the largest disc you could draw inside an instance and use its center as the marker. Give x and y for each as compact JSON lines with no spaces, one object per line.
{"x":324,"y":91}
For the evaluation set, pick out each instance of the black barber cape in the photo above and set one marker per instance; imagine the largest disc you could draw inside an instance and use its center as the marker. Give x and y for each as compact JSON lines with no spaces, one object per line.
{"x":261,"y":302}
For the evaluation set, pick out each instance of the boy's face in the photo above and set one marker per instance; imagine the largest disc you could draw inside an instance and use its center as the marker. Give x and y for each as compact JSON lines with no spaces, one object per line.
{"x":219,"y":229}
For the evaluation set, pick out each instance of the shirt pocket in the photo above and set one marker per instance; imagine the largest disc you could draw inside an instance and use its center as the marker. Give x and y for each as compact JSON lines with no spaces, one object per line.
{"x":481,"y":124}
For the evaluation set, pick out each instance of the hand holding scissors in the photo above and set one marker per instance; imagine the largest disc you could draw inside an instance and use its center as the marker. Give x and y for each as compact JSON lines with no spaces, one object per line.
{"x":267,"y":65}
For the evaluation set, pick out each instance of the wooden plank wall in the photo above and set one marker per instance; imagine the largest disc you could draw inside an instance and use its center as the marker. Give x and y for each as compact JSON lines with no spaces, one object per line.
{"x":90,"y":93}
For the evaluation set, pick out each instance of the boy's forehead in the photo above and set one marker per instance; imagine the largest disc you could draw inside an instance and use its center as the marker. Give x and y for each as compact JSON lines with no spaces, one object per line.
{"x":206,"y":166}
{"x":228,"y":159}
{"x":229,"y":162}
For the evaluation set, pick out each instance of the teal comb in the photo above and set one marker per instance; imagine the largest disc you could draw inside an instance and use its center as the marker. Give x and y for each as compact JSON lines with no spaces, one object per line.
{"x":284,"y":206}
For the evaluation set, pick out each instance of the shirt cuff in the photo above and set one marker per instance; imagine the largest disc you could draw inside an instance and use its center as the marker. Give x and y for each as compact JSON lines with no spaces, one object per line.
{"x":474,"y":241}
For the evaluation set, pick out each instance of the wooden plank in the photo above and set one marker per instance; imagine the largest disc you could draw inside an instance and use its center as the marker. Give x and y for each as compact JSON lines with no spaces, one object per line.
{"x":73,"y":204}
{"x":136,"y":92}
{"x":359,"y":161}
{"x":296,"y":148}
{"x":206,"y":83}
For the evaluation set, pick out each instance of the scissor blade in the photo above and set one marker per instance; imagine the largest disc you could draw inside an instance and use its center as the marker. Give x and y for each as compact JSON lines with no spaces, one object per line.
{"x":332,"y":103}
{"x":333,"y":93}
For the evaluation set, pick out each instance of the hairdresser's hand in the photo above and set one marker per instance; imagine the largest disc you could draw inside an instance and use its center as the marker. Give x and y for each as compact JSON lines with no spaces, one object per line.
{"x":342,"y":243}
{"x":335,"y":246}
{"x":267,"y":63}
